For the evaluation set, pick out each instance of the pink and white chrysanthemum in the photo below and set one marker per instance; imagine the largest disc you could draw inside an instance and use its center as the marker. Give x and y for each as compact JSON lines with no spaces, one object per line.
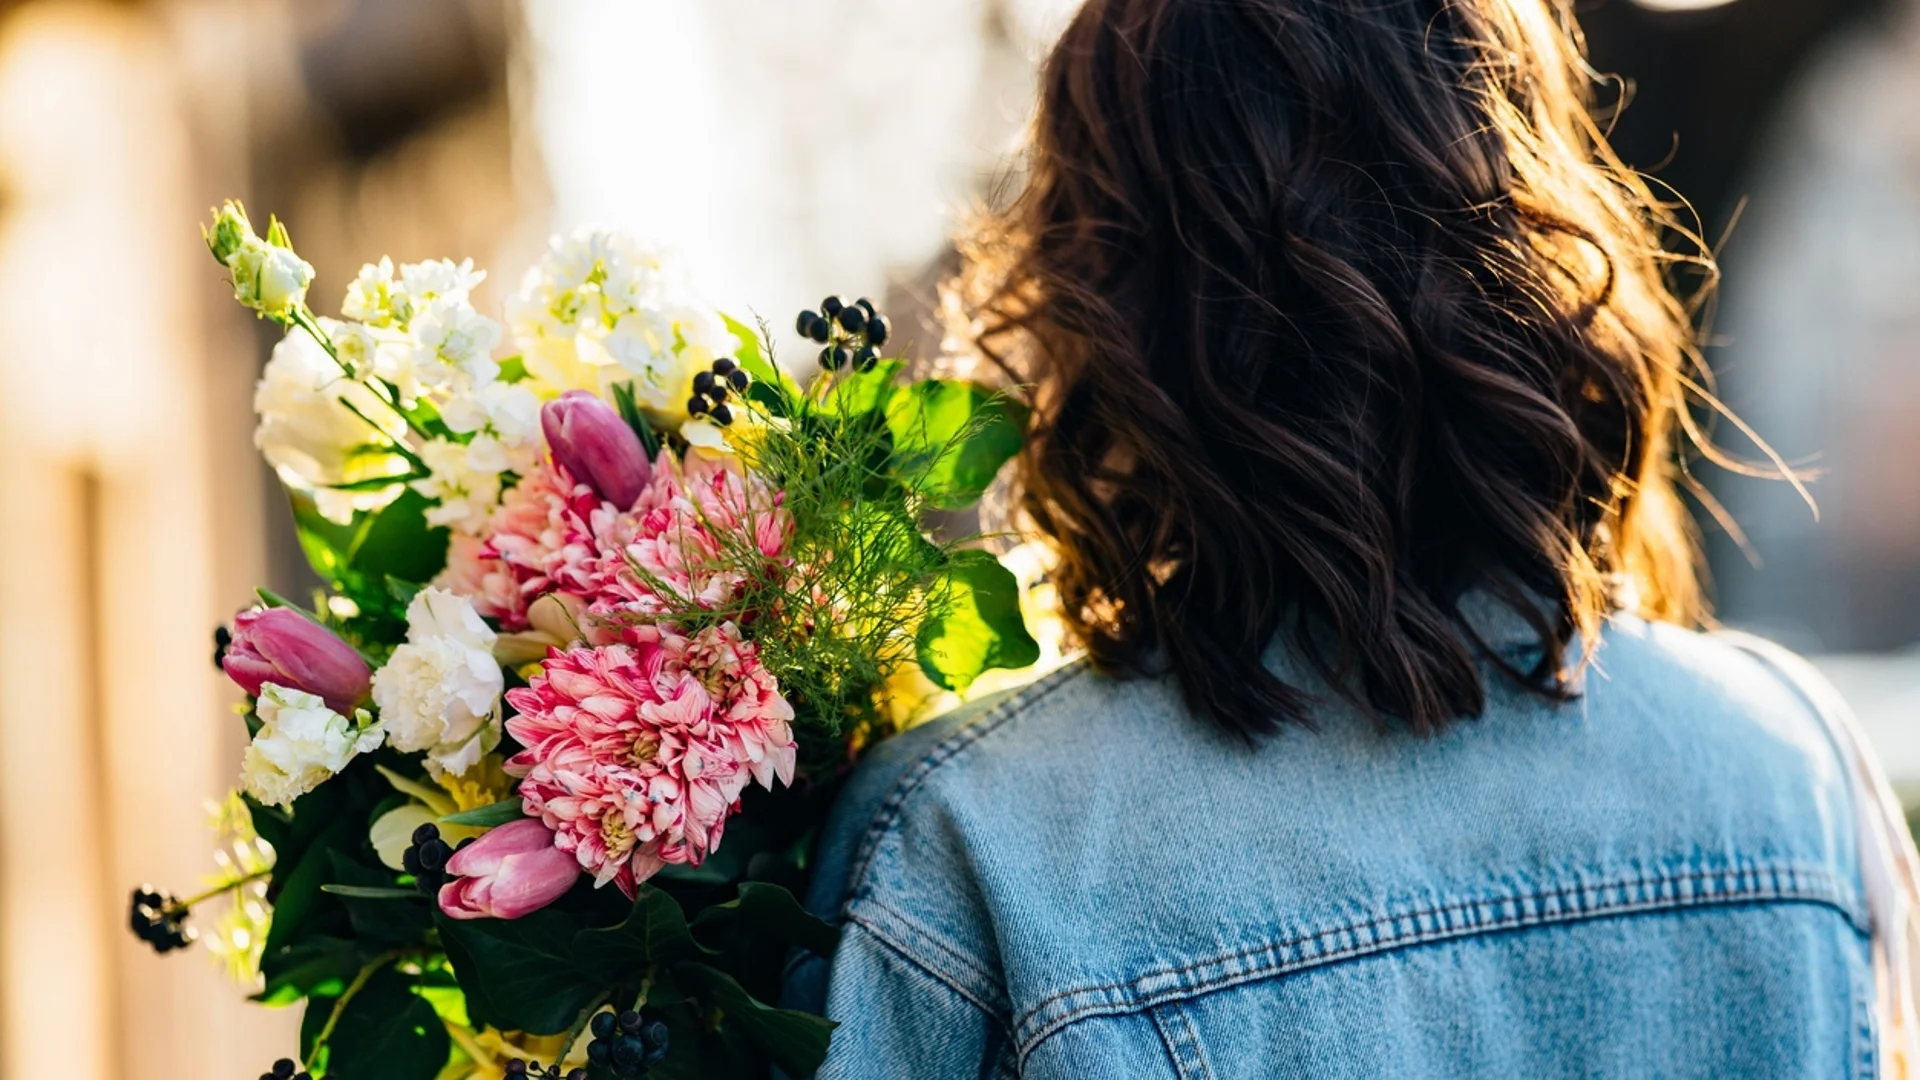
{"x":637,"y":752}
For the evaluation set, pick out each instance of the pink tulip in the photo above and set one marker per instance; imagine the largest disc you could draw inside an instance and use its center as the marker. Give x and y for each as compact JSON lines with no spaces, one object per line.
{"x":590,"y":440}
{"x":283,"y":647}
{"x":509,"y":872}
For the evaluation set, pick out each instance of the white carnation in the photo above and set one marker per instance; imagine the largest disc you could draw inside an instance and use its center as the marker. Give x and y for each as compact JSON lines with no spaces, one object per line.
{"x":440,"y":692}
{"x":310,"y":436}
{"x":301,"y":743}
{"x":466,"y":495}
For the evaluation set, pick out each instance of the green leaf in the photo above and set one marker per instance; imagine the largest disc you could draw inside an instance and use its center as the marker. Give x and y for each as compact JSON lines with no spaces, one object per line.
{"x":372,"y":483}
{"x":769,"y":910}
{"x":488,"y":816}
{"x":388,"y":1031}
{"x":654,"y":932}
{"x":296,"y":896}
{"x":629,"y":410}
{"x":796,"y":1041}
{"x":519,"y":973}
{"x":772,"y":387}
{"x":328,"y":544}
{"x":513,"y":369}
{"x":863,"y":391}
{"x":379,"y":912}
{"x":977,"y":625}
{"x":399,"y":543}
{"x":950,"y":438}
{"x":323,"y":966}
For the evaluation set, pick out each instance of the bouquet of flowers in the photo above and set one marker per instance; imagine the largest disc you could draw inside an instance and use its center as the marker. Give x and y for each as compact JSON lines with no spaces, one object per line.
{"x":532,"y":781}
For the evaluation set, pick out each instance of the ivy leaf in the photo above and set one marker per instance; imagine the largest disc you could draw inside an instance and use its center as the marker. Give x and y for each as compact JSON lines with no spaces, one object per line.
{"x":388,"y":1031}
{"x":322,"y":967}
{"x":772,"y":387}
{"x":296,"y":896}
{"x":379,"y":912}
{"x":863,"y":391}
{"x":978,"y":626}
{"x":520,"y":972}
{"x":654,"y":932}
{"x":950,"y":438}
{"x":768,"y":910}
{"x":796,"y":1041}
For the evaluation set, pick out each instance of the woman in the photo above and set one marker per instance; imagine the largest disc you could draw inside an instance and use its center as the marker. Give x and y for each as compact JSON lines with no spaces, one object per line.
{"x":1357,"y":395}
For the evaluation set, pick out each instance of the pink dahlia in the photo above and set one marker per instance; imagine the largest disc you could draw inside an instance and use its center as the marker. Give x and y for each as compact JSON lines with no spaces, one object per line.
{"x":541,"y":538}
{"x":637,"y":751}
{"x":473,"y":571}
{"x":687,"y":533}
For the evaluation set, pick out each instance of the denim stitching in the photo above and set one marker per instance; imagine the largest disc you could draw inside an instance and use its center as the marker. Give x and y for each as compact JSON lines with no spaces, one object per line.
{"x":1181,"y":1046}
{"x":1478,"y":920}
{"x":985,"y":984}
{"x":1199,"y":1048}
{"x":889,"y":812}
{"x":895,"y":947}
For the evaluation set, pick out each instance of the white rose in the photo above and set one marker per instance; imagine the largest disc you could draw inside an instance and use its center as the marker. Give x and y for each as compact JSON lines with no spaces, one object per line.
{"x":440,"y":692}
{"x":301,"y":743}
{"x":310,"y":436}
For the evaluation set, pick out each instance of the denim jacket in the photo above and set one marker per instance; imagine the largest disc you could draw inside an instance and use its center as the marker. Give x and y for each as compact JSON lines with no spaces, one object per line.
{"x":1080,"y":880}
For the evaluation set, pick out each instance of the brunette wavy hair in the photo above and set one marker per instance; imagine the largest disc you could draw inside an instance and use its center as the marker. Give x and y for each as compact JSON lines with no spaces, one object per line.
{"x":1332,"y":313}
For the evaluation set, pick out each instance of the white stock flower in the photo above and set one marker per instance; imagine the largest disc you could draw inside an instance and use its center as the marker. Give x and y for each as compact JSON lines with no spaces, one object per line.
{"x":440,"y":692}
{"x":422,"y":283}
{"x":453,"y":340}
{"x":369,"y":296}
{"x":466,"y":495}
{"x":271,"y":280}
{"x":311,"y":437}
{"x":301,"y":743}
{"x":504,"y":420}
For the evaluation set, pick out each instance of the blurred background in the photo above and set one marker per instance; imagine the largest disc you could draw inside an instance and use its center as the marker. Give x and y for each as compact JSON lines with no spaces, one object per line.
{"x":785,"y":148}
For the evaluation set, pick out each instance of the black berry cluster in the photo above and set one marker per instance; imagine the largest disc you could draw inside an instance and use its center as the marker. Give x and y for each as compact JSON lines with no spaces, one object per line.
{"x":158,"y":919}
{"x":222,"y":638}
{"x":427,"y":859}
{"x":629,"y":1044}
{"x":285,"y":1069}
{"x":517,"y":1070}
{"x":711,"y":387}
{"x":851,"y":333}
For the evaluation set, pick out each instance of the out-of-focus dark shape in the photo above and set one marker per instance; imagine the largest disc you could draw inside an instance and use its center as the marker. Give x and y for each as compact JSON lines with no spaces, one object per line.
{"x":384,"y":70}
{"x":1822,"y":320}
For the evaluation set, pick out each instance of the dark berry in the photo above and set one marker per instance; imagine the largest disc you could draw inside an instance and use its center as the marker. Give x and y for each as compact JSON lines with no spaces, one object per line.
{"x":284,"y":1068}
{"x":603,"y":1025}
{"x":516,"y":1067}
{"x":739,"y":380}
{"x":598,"y":1049}
{"x":426,"y":834}
{"x":866,"y":305}
{"x":853,"y":319}
{"x":835,"y":358}
{"x":718,"y":393}
{"x":866,"y":358}
{"x":410,"y":862}
{"x":724,"y":366}
{"x":221,"y":639}
{"x":698,"y":405}
{"x":434,"y":855}
{"x":654,"y":1036}
{"x":804,"y":323}
{"x":879,"y":328}
{"x":702,"y":382}
{"x":832,"y":306}
{"x":628,"y":1056}
{"x":577,"y":1074}
{"x":722,"y":415}
{"x":630,"y":1022}
{"x":819,"y":329}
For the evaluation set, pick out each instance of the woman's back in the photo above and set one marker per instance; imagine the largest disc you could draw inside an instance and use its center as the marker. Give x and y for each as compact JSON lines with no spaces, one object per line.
{"x":1080,"y":880}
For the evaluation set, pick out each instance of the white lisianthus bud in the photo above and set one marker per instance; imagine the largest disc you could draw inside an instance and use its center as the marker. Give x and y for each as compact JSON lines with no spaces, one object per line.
{"x":271,"y":280}
{"x":440,"y":692}
{"x":301,"y":744}
{"x":230,"y":231}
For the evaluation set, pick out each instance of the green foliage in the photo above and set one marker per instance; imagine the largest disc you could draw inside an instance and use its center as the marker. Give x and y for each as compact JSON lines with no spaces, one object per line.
{"x":769,"y":912}
{"x":951,"y":438}
{"x":977,"y":625}
{"x":519,"y":974}
{"x":388,"y":1031}
{"x":366,"y":559}
{"x":487,"y":817}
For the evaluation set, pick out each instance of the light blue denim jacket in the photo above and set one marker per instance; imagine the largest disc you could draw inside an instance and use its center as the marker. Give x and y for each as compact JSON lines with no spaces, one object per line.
{"x":1082,"y":881}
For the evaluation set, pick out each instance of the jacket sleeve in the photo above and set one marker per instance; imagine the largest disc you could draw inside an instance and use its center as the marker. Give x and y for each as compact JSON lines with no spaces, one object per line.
{"x":898,"y":1017}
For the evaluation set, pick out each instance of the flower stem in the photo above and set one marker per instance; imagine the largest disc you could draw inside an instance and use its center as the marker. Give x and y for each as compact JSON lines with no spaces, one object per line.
{"x":198,"y":898}
{"x":579,"y":1025}
{"x":358,"y":984}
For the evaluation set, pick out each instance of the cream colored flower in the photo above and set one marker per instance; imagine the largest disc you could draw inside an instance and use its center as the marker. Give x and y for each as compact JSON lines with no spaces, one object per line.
{"x":301,"y":743}
{"x":452,"y":342}
{"x":440,"y":692}
{"x":271,"y":280}
{"x":504,"y":420}
{"x":465,"y":495}
{"x":310,"y":434}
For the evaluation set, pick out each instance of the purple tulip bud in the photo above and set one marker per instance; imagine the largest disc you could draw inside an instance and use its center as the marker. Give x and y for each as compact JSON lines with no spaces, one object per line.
{"x":590,"y":440}
{"x":283,"y":647}
{"x":509,"y":872}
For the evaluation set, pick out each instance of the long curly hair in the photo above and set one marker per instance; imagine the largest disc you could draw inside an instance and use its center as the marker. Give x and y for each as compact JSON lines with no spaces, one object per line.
{"x":1333,"y":313}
